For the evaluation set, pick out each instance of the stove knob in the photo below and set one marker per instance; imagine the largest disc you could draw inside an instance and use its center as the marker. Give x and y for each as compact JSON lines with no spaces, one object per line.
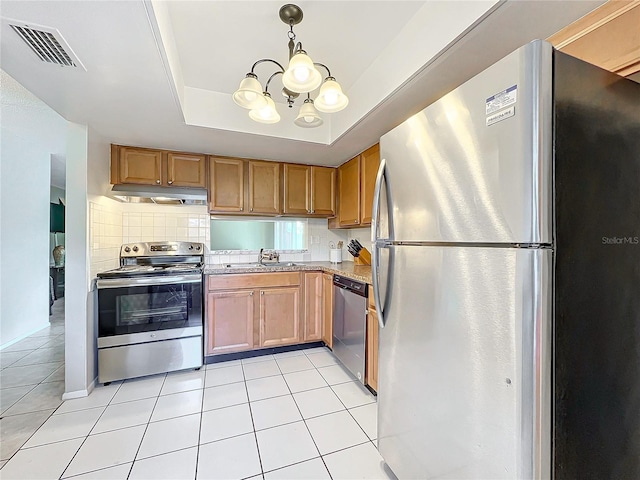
{"x":198,"y":247}
{"x":127,"y":249}
{"x":135,"y":248}
{"x":190,"y":247}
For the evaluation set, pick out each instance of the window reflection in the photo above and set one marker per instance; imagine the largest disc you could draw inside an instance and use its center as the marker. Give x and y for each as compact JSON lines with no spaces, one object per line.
{"x":254,"y":234}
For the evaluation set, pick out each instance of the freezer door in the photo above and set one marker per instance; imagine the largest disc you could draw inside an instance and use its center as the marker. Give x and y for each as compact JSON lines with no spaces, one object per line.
{"x":476,"y":165}
{"x":464,"y":363}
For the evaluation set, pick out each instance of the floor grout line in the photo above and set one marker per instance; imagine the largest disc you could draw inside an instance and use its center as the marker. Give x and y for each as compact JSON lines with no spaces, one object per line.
{"x":253,"y":424}
{"x":202,"y":411}
{"x":306,"y":425}
{"x":135,"y":457}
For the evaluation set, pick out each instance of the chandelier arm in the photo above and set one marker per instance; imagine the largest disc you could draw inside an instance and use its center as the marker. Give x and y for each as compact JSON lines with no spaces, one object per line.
{"x":266,"y":87}
{"x":263,"y":60}
{"x":323,"y":66}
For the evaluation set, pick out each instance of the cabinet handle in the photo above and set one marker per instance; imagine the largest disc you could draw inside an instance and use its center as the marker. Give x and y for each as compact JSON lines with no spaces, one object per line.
{"x":251,"y":294}
{"x":170,"y":182}
{"x":157,"y":181}
{"x":261,"y":292}
{"x":241,"y":209}
{"x":251,"y":209}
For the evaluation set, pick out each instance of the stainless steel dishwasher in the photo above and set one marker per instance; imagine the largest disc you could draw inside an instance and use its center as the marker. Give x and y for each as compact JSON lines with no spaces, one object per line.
{"x":350,"y":323}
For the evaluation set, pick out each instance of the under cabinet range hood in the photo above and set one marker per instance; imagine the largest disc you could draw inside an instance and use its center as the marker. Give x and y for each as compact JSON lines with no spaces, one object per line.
{"x":159,"y":195}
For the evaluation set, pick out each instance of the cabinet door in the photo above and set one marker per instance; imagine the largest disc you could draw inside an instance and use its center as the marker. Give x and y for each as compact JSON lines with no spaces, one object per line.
{"x":372,"y":350}
{"x":185,"y":170}
{"x":226,"y":185}
{"x":369,"y":163}
{"x":279,"y":316}
{"x":297,"y":189}
{"x":264,"y":187}
{"x":327,"y":309}
{"x":349,"y":192}
{"x":229,"y":321}
{"x":312,"y":306}
{"x":323,"y":191}
{"x":140,"y":166}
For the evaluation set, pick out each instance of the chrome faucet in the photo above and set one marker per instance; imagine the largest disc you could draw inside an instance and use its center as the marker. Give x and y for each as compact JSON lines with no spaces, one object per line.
{"x":268,"y":256}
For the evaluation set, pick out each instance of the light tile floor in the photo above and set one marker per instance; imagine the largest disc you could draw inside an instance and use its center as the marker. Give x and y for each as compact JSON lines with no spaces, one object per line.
{"x":31,"y":383}
{"x":295,"y":415}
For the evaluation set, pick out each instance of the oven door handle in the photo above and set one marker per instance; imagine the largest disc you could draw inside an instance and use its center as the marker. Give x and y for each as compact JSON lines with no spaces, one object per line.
{"x":143,"y":281}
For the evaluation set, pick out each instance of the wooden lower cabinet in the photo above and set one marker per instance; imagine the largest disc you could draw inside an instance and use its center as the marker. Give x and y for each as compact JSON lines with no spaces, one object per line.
{"x":371,"y":372}
{"x":312,"y":306}
{"x":327,"y":309}
{"x":230,"y":319}
{"x":279,"y":316}
{"x":263,"y":310}
{"x":372,"y":350}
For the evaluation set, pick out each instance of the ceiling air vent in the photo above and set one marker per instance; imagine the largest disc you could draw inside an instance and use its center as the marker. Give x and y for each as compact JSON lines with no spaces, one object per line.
{"x":48,"y":44}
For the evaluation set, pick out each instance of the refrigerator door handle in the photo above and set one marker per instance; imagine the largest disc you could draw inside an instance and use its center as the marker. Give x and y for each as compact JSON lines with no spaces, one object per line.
{"x":375,"y":261}
{"x":375,"y":214}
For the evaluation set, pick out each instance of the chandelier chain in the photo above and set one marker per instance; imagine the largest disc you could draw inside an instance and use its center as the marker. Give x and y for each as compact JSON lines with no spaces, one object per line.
{"x":290,"y":33}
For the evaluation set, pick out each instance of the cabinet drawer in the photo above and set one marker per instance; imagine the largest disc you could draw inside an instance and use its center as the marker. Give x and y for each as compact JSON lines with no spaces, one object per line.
{"x":254,"y":280}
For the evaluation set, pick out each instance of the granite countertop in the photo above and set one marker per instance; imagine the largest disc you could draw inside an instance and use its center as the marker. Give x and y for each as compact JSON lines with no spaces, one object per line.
{"x":347,"y":269}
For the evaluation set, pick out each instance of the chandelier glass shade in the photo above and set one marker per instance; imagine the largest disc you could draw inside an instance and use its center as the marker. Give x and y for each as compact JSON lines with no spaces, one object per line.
{"x":249,"y":93}
{"x":267,"y":113}
{"x":331,"y":99}
{"x":308,"y":116}
{"x":300,"y":76}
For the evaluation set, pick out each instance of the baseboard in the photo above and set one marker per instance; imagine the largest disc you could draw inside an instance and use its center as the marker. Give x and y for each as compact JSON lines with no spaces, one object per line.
{"x":22,"y":337}
{"x":80,"y":393}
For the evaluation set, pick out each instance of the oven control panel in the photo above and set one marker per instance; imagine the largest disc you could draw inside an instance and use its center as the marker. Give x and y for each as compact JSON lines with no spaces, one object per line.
{"x":151,"y":249}
{"x":164,"y":248}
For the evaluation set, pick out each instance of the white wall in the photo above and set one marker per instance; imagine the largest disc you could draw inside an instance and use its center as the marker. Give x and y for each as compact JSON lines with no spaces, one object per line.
{"x":76,"y":265}
{"x":30,"y":132}
{"x":87,"y":179}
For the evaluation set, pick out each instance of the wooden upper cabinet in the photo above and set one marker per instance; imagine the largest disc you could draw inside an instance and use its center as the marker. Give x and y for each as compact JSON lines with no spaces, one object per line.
{"x":264,"y":187}
{"x":349,"y":193}
{"x":226,"y":185}
{"x":186,"y":170}
{"x":279,"y":316}
{"x":323,"y":191}
{"x":138,"y":166}
{"x":309,"y":190}
{"x":608,"y":37}
{"x":369,"y":163}
{"x":312,"y":306}
{"x":297,"y":189}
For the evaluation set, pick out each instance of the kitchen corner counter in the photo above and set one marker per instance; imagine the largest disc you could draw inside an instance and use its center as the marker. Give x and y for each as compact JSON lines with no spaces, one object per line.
{"x":348,"y":269}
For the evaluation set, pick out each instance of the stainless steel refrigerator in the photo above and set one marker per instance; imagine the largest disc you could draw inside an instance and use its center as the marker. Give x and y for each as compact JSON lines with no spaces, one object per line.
{"x":506,"y":274}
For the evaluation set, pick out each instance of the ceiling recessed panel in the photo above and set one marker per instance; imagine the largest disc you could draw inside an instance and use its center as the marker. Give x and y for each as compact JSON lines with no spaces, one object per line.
{"x":218,"y":42}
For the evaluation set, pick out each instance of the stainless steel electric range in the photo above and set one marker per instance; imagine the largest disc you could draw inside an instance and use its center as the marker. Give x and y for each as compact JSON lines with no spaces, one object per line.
{"x":150,"y":316}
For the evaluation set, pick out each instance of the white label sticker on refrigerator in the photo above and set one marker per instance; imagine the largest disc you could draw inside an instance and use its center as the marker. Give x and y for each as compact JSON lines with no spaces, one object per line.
{"x":498,"y":117}
{"x":502,"y":99}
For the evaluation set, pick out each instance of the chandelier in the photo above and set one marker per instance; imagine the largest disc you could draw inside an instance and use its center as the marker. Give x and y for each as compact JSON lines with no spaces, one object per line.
{"x":301,"y":76}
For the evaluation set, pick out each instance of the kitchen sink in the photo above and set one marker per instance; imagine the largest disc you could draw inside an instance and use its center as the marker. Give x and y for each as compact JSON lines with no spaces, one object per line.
{"x":242,"y":265}
{"x":259,"y":265}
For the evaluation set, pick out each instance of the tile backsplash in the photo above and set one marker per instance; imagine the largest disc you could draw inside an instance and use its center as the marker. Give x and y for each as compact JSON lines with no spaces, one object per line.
{"x":165,"y":226}
{"x":105,"y":235}
{"x":112,"y":224}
